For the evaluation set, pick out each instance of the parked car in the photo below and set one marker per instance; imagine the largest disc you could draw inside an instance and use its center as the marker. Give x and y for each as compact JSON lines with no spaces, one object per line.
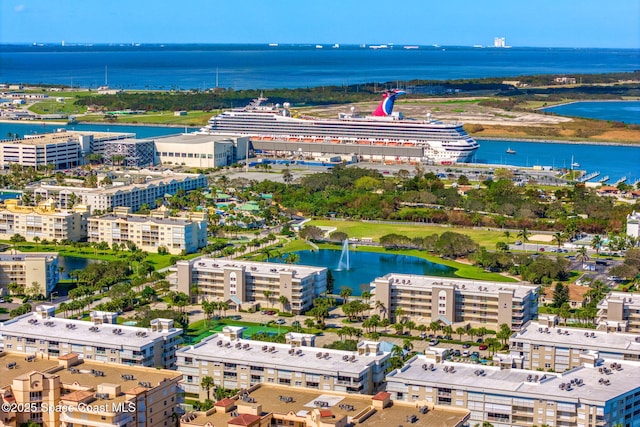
{"x":466,"y":353}
{"x":281,"y":321}
{"x":434,"y":342}
{"x":423,"y":335}
{"x":456,"y":353}
{"x":475,"y":354}
{"x":295,"y":323}
{"x":270,"y":312}
{"x":479,"y":340}
{"x":483,"y":347}
{"x":518,"y":242}
{"x":466,"y":345}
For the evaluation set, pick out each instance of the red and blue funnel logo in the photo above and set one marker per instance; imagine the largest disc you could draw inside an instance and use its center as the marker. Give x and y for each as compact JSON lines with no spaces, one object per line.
{"x":386,"y":105}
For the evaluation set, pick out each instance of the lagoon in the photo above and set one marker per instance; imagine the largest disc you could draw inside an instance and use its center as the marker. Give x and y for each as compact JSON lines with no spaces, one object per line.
{"x":366,"y":266}
{"x":70,"y":263}
{"x":619,"y":111}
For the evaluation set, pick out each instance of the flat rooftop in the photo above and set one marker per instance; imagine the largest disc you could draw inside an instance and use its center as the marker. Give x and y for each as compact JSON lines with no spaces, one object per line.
{"x":466,"y":286}
{"x":66,"y":136}
{"x":111,"y":372}
{"x":340,"y":405}
{"x":520,"y":383}
{"x":49,"y":256}
{"x":257,"y":268}
{"x":143,"y":219}
{"x":588,"y":339}
{"x":32,"y":325}
{"x":222,"y":348}
{"x":631,"y":300}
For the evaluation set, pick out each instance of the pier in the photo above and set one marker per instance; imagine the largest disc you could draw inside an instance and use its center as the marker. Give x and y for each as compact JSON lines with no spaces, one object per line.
{"x":588,"y":177}
{"x":620,"y":181}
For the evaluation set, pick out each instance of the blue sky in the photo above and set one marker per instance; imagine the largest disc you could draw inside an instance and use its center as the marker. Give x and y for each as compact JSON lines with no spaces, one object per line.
{"x":548,"y":23}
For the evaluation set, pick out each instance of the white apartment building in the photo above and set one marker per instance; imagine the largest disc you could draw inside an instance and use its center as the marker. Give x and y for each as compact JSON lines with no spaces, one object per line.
{"x":150,"y":232}
{"x":234,"y":362}
{"x":456,"y":302}
{"x":144,"y":187}
{"x":619,"y":311}
{"x":597,"y":394}
{"x":42,"y":334}
{"x":202,"y":151}
{"x":633,"y":224}
{"x":44,"y":221}
{"x":60,"y":150}
{"x":545,"y":345}
{"x":243,"y":284}
{"x":27,"y":269}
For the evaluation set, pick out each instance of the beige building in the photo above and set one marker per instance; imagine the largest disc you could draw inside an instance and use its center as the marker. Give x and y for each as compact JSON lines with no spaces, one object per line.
{"x":545,"y":345}
{"x":456,"y":302}
{"x":249,"y":285}
{"x":600,"y":393}
{"x":134,"y":189}
{"x":269,"y":405}
{"x":58,"y":149}
{"x":619,"y":311}
{"x":150,"y":232}
{"x":28,"y":269}
{"x":202,"y":151}
{"x":101,"y":339}
{"x":43,"y":221}
{"x":68,"y":392}
{"x":234,"y":362}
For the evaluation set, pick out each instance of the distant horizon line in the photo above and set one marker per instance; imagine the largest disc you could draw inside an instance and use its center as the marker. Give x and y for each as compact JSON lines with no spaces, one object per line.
{"x":388,"y":45}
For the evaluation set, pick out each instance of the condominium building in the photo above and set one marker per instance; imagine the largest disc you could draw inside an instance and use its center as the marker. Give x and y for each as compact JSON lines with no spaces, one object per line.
{"x":597,"y":394}
{"x":102,"y":339}
{"x":44,"y":221}
{"x":456,"y":302}
{"x":143,"y":188}
{"x":234,"y":362}
{"x":545,"y":345}
{"x":619,"y":311}
{"x":249,"y":285}
{"x":68,"y":392}
{"x":202,"y":151}
{"x":633,"y":224}
{"x":29,"y":269}
{"x":271,"y":405}
{"x":149,"y":232}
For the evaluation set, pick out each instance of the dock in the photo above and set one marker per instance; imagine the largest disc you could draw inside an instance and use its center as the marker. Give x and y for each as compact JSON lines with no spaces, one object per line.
{"x":620,"y":181}
{"x":604,"y":179}
{"x":588,"y":177}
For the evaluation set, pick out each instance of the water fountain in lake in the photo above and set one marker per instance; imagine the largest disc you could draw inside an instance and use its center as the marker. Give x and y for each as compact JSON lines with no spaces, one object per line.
{"x":343,"y":263}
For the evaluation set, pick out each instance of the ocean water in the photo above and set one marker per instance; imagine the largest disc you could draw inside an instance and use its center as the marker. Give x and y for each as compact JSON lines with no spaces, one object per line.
{"x":289,"y":66}
{"x":620,"y":111}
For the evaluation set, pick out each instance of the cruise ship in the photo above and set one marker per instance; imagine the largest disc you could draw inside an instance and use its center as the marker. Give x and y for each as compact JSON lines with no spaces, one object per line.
{"x":443,"y":143}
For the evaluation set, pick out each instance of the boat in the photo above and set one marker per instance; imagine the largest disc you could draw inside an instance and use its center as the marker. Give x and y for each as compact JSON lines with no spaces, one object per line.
{"x":510,"y":151}
{"x":575,"y":165}
{"x":440,"y":142}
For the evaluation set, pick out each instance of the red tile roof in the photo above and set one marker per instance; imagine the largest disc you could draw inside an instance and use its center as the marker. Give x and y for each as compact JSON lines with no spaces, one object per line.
{"x":326,"y":413}
{"x":225,"y":402}
{"x":244,"y":420}
{"x":381,"y":395}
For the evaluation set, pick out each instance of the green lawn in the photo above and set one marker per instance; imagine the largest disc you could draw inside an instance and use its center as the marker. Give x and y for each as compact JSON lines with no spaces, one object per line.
{"x":483,"y":237}
{"x":193,"y":118}
{"x":158,"y":261}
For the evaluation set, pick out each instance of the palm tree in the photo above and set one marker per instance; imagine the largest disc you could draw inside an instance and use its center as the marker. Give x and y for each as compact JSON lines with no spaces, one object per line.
{"x":267,"y":295}
{"x":399,"y":313}
{"x":345,"y":293}
{"x":207,"y":383}
{"x":292,"y":258}
{"x":284,"y":301}
{"x":596,"y":243}
{"x":581,"y":254}
{"x":36,"y":240}
{"x":407,"y":344}
{"x":559,"y":237}
{"x":309,"y":323}
{"x":524,"y":235}
{"x":460,"y":331}
{"x":381,"y":308}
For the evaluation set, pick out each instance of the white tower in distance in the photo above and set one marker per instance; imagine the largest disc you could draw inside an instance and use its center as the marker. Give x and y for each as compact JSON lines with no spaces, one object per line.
{"x":498,"y":42}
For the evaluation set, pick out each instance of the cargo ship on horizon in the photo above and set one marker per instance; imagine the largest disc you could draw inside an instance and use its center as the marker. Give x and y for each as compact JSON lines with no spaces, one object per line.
{"x":443,"y":143}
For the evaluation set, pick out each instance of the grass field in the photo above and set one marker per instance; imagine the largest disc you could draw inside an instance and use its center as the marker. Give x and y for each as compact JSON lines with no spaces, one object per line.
{"x":193,"y":118}
{"x":483,"y":237}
